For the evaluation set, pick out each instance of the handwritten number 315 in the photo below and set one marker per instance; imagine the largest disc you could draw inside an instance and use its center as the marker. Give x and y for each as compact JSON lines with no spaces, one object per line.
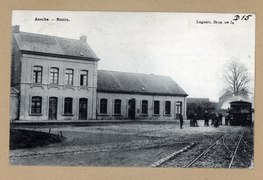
{"x":245,"y":17}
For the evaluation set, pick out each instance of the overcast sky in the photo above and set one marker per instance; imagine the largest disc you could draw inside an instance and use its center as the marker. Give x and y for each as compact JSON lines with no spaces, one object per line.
{"x":171,"y":44}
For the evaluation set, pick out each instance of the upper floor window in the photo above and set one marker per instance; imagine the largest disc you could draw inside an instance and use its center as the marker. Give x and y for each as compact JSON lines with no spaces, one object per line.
{"x":144,"y":107}
{"x":69,"y":77}
{"x":53,"y":75}
{"x":83,"y":78}
{"x":37,"y":74}
{"x":103,"y":106}
{"x":167,"y":107}
{"x":117,"y":106}
{"x":68,"y":105}
{"x":156,"y":107}
{"x":36,"y":105}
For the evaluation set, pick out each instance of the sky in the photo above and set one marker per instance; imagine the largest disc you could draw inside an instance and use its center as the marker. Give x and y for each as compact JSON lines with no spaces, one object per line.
{"x":173,"y":44}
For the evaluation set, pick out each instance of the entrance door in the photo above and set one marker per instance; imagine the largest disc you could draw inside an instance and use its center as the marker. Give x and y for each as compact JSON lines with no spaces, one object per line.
{"x":178,"y":109}
{"x":131,"y":109}
{"x":53,"y":104}
{"x":83,"y":108}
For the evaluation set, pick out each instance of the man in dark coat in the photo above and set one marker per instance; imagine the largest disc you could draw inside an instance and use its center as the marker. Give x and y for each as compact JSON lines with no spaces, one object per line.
{"x":191,"y":117}
{"x":216,"y":120}
{"x":181,"y":121}
{"x":195,"y":120}
{"x":206,"y":116}
{"x":220,"y":118}
{"x":227,"y":119}
{"x":213,"y":119}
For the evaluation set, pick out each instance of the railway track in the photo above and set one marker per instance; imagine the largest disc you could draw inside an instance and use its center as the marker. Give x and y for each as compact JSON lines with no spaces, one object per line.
{"x":220,"y":154}
{"x":233,"y":153}
{"x":204,"y":152}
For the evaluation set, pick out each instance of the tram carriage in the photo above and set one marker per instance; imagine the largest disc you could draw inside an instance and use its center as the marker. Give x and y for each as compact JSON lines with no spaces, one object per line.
{"x":240,"y":113}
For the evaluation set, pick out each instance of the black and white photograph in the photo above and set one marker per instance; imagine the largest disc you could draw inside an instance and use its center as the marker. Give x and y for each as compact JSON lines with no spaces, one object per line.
{"x":132,"y":89}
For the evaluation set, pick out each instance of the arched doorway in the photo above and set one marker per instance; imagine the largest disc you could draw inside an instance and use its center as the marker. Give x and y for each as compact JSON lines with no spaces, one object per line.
{"x":52,"y":110}
{"x":83,"y":109}
{"x":178,"y":109}
{"x":131,"y":108}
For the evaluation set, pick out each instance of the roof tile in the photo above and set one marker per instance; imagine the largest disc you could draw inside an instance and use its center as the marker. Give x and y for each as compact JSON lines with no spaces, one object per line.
{"x":31,"y":42}
{"x":123,"y":82}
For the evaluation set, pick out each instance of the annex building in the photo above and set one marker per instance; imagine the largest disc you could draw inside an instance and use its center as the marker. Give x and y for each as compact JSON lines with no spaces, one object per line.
{"x":55,"y":78}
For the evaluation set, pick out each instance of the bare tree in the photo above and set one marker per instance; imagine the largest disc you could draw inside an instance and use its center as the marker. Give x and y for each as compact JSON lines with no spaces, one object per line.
{"x":237,"y":78}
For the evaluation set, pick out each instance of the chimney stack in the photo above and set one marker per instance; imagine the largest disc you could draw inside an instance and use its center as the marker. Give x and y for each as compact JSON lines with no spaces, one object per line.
{"x":83,"y":39}
{"x":15,"y":28}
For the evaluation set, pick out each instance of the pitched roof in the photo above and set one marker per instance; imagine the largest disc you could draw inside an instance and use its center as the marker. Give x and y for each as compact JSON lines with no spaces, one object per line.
{"x":54,"y":46}
{"x":197,"y":100}
{"x":123,"y":82}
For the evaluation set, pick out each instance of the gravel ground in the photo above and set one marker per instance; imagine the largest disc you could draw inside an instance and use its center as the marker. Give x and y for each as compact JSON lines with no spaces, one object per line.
{"x":132,"y":144}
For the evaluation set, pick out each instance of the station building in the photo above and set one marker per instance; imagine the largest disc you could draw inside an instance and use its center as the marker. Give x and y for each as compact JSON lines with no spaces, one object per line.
{"x":57,"y":78}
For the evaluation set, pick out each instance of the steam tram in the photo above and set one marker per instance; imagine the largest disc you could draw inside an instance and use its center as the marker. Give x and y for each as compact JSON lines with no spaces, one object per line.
{"x":240,"y":113}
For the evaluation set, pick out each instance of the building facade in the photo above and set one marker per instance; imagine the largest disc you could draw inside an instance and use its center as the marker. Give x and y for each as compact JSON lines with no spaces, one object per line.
{"x":138,"y":96}
{"x":58,"y":79}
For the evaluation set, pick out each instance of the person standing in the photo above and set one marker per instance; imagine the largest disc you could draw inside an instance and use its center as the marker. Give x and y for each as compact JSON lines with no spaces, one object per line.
{"x":220,"y":118}
{"x":213,"y":119}
{"x":216,"y":120}
{"x":195,"y":120}
{"x":206,"y":119}
{"x":191,"y":117}
{"x":227,"y":119}
{"x":181,"y":121}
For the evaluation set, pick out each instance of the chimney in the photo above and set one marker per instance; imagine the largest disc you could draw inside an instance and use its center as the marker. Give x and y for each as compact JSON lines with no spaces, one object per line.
{"x":83,"y":39}
{"x":15,"y":29}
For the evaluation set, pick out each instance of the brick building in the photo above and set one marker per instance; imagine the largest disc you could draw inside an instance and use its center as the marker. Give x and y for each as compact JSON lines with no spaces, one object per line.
{"x":58,"y":79}
{"x":138,"y":96}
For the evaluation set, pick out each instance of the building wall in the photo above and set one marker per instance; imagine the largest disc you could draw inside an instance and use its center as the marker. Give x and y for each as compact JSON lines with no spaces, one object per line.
{"x":14,"y":104}
{"x":138,"y":99}
{"x":46,"y":90}
{"x":15,"y":65}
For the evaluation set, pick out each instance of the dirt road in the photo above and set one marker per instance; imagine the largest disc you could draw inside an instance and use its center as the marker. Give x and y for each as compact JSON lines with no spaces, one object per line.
{"x":136,"y":144}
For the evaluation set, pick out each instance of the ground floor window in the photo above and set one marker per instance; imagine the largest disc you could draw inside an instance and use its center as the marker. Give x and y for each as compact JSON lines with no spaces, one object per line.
{"x":117,"y":106}
{"x":68,"y":105}
{"x":144,"y":107}
{"x":156,"y":107}
{"x":103,"y":106}
{"x":167,"y":107}
{"x":36,"y":105}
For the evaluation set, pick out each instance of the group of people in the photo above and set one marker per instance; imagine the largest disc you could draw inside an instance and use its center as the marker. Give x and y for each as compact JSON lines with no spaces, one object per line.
{"x":216,"y":119}
{"x":193,"y":120}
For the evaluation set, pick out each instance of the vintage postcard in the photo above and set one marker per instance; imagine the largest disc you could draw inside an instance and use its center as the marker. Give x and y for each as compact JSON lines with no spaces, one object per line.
{"x":132,"y":89}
